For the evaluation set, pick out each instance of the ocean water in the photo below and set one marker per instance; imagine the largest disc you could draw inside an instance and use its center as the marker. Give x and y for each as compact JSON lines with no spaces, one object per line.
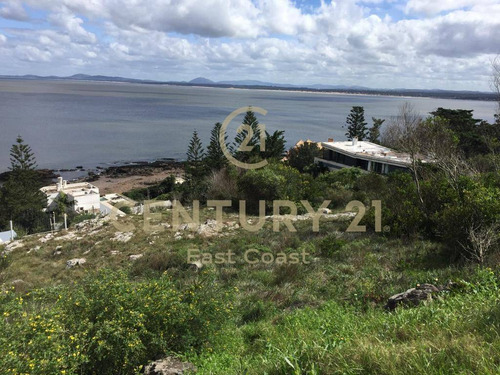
{"x":91,"y":124}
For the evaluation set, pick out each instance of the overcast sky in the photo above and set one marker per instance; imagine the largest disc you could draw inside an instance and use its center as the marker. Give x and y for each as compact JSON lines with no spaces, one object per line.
{"x":445,"y":44}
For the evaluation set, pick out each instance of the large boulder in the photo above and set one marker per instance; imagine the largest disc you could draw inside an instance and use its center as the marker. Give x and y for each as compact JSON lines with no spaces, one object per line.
{"x":169,"y":366}
{"x":413,"y":296}
{"x":75,"y":262}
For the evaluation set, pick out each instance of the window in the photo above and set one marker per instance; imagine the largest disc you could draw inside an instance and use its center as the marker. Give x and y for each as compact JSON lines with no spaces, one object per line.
{"x":377,"y":167}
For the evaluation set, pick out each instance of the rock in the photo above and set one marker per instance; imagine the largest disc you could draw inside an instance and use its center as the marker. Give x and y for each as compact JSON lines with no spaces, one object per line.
{"x":75,"y":262}
{"x":122,"y":236}
{"x":46,"y":238}
{"x":115,"y":252}
{"x":413,"y":296}
{"x":13,"y":245}
{"x":169,"y":366}
{"x":66,"y":237}
{"x":136,"y":256}
{"x":326,"y":211}
{"x":57,"y":252}
{"x":34,"y":249}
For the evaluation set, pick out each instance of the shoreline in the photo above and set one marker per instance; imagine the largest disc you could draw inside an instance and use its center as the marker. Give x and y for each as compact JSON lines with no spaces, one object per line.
{"x":117,"y":178}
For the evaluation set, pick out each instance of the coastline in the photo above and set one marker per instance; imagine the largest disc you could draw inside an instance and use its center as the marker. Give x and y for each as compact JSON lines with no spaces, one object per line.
{"x":117,"y":178}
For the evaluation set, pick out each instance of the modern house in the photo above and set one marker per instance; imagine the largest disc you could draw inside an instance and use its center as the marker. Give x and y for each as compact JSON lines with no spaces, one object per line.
{"x":82,"y":196}
{"x":368,"y":156}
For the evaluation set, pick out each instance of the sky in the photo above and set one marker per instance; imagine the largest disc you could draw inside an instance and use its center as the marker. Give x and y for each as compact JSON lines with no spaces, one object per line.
{"x":421,"y":44}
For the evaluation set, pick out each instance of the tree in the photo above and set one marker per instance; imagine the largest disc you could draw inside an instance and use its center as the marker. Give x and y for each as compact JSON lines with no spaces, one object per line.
{"x":356,"y":125}
{"x":195,"y":152}
{"x":22,"y":200}
{"x":215,"y":159}
{"x":302,"y":157}
{"x":495,"y":84}
{"x":468,"y":129}
{"x":404,"y":133}
{"x":195,"y":168}
{"x":374,"y":131}
{"x":252,"y":148}
{"x":21,"y":156}
{"x":275,"y":145}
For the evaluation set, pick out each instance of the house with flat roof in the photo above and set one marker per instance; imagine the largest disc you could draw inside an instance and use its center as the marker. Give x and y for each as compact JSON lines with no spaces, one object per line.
{"x":82,"y":196}
{"x":365,"y":155}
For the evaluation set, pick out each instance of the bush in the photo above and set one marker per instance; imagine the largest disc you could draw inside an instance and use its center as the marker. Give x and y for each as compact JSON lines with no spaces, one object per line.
{"x":223,"y":184}
{"x":302,"y":157}
{"x":106,"y":324}
{"x":153,"y":191}
{"x":273,"y":182}
{"x":126,"y":210}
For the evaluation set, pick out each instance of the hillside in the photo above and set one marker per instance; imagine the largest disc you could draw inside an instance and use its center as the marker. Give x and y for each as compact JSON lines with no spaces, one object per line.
{"x":325,"y":316}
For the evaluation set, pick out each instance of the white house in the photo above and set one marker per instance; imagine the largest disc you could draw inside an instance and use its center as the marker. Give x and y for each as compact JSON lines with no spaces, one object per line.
{"x":83,"y":196}
{"x":362,"y":154}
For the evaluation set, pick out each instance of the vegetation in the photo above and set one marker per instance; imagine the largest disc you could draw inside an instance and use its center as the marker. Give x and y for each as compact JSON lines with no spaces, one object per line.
{"x":20,"y":199}
{"x":374,"y":131}
{"x":302,"y":157}
{"x":356,"y":125}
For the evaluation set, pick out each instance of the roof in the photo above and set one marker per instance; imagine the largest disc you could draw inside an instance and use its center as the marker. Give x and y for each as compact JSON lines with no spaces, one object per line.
{"x":369,"y":151}
{"x":5,"y":236}
{"x":302,"y":142}
{"x":77,"y":189}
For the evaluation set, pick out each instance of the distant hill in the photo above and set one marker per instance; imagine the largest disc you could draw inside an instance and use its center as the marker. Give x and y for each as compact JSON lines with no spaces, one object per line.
{"x":201,"y":81}
{"x":255,"y":84}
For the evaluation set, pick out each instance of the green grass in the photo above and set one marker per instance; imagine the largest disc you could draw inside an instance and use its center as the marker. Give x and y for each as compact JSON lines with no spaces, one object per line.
{"x":325,"y":317}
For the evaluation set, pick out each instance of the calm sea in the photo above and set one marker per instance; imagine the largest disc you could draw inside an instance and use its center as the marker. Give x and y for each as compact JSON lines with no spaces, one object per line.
{"x":69,"y":124}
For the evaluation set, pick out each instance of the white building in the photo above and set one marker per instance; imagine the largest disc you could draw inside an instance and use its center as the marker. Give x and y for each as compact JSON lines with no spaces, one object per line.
{"x":83,"y":196}
{"x":7,"y":236}
{"x":362,"y":154}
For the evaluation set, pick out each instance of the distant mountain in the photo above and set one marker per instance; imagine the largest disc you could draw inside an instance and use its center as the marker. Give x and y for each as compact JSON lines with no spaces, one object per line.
{"x":201,"y":81}
{"x":250,"y":82}
{"x":337,"y":87}
{"x":79,"y":77}
{"x":255,"y":84}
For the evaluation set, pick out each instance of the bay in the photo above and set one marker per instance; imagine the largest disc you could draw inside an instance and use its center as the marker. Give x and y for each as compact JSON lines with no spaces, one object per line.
{"x":89,"y":124}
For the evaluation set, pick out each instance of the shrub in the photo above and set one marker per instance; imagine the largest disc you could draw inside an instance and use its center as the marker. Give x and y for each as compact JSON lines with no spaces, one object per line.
{"x":153,"y":191}
{"x":273,"y":182}
{"x":223,"y":184}
{"x":106,"y":324}
{"x":302,"y":157}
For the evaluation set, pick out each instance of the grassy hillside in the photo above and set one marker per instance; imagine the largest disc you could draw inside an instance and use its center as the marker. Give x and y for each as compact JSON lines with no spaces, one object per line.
{"x":113,"y":314}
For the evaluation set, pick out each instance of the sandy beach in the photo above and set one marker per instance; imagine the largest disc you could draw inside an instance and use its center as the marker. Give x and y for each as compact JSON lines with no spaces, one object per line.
{"x":108,"y":184}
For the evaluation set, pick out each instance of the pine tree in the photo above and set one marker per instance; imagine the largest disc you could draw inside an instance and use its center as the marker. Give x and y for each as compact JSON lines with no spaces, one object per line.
{"x":374,"y":131}
{"x":275,"y":145}
{"x":195,"y":169}
{"x":195,"y":152}
{"x":254,"y":143}
{"x":215,"y":159}
{"x":21,"y":156}
{"x":22,"y":200}
{"x":356,"y":125}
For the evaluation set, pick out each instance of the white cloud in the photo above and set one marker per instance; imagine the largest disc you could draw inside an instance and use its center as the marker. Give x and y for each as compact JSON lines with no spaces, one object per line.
{"x":338,"y":42}
{"x":32,"y":54}
{"x":73,"y":26}
{"x":433,"y":7}
{"x":14,"y":10}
